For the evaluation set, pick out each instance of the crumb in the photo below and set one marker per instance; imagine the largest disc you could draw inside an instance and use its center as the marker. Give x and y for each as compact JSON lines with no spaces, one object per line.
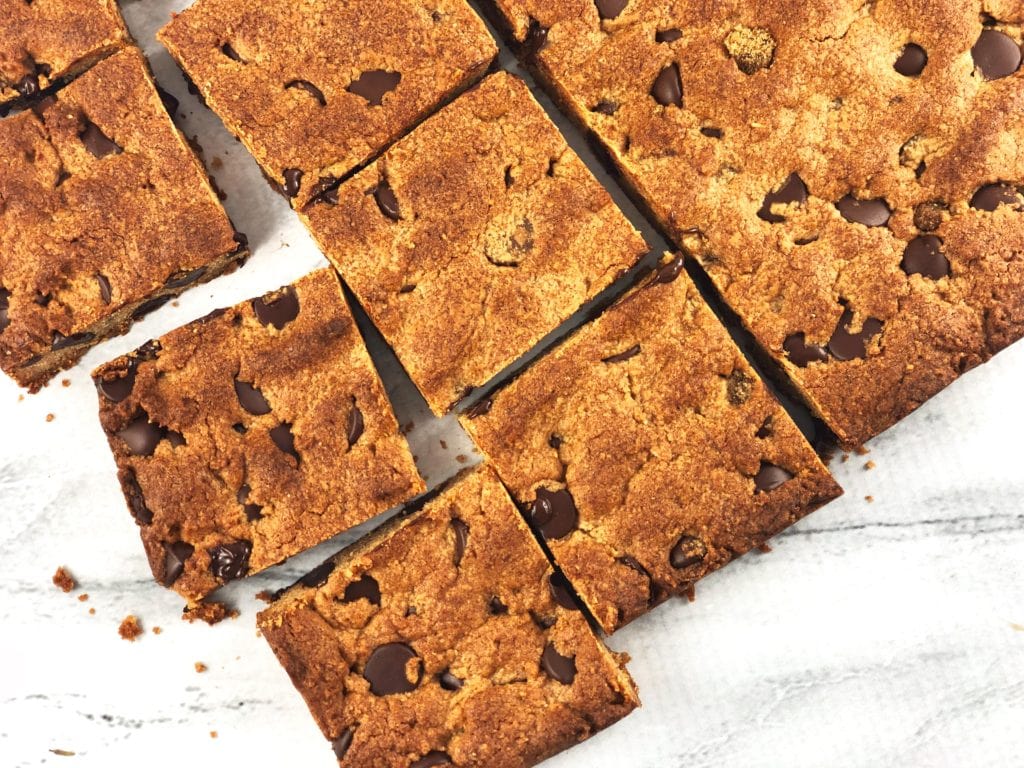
{"x":869,"y":465}
{"x":50,"y":417}
{"x":211,"y":613}
{"x":157,"y":630}
{"x":690,"y":593}
{"x":862,"y":451}
{"x":83,"y":597}
{"x":20,"y":398}
{"x":444,"y":445}
{"x":130,"y":628}
{"x":63,"y":752}
{"x":265,"y":595}
{"x":407,"y":427}
{"x":217,"y":163}
{"x":869,"y":499}
{"x":175,"y":303}
{"x":764,"y":547}
{"x":462,"y":458}
{"x":64,"y":580}
{"x":846,"y":458}
{"x":200,"y":667}
{"x":92,"y":611}
{"x":65,"y":382}
{"x":213,"y":734}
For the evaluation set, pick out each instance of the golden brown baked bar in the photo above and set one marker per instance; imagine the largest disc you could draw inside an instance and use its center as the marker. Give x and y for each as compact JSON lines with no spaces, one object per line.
{"x":43,"y":42}
{"x":316,"y":88}
{"x":848,"y":173}
{"x":473,"y":237}
{"x":105,"y":214}
{"x":252,"y":434}
{"x":647,"y":451}
{"x":445,"y":638}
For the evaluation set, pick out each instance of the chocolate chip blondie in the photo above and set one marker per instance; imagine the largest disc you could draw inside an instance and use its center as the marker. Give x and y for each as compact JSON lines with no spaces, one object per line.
{"x":647,"y":452}
{"x":445,"y":638}
{"x":105,"y":214}
{"x":252,"y":434}
{"x":45,"y":42}
{"x":849,"y":174}
{"x":473,"y":237}
{"x":314,"y":89}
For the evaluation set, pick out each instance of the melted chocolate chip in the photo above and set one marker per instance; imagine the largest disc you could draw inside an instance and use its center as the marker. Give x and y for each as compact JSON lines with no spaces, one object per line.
{"x":230,"y":561}
{"x":871,"y":213}
{"x":150,"y":306}
{"x":669,"y":271}
{"x":309,"y":88}
{"x":712,"y":133}
{"x":97,"y":142}
{"x":292,"y":181}
{"x":386,"y":669}
{"x":363,"y":588}
{"x":250,"y":398}
{"x":610,"y":9}
{"x":482,"y":408}
{"x":356,"y":425}
{"x":386,"y":200}
{"x":60,"y":341}
{"x":667,"y":35}
{"x":793,"y":190}
{"x":28,"y":86}
{"x":496,"y":607}
{"x":136,"y":500}
{"x":252,"y":512}
{"x":561,"y":593}
{"x":559,"y":667}
{"x":104,"y":285}
{"x":991,"y":196}
{"x":116,"y":390}
{"x":181,"y":279}
{"x":319,"y":575}
{"x":141,"y":436}
{"x":449,"y":681}
{"x":175,"y":557}
{"x":687,"y":551}
{"x":923,"y":256}
{"x":996,"y":55}
{"x":769,"y":477}
{"x":801,"y":353}
{"x":324,"y":191}
{"x":341,"y":744}
{"x":431,"y":759}
{"x":372,"y":85}
{"x":461,"y":532}
{"x":554,"y":513}
{"x":622,"y":356}
{"x":277,"y":309}
{"x":284,"y":439}
{"x":555,"y":441}
{"x":668,"y":87}
{"x":536,"y":38}
{"x":911,"y":61}
{"x":845,"y":345}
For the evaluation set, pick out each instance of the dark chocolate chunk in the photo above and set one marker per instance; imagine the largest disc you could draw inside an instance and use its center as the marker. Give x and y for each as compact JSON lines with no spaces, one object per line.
{"x":668,"y":87}
{"x":845,"y":345}
{"x":136,"y":500}
{"x":230,"y":561}
{"x":60,"y":341}
{"x":996,"y":55}
{"x":873,"y":212}
{"x":431,"y":759}
{"x":668,"y":35}
{"x":793,"y":190}
{"x":341,"y":744}
{"x":104,"y":285}
{"x":622,"y":356}
{"x":252,"y":512}
{"x":536,"y":38}
{"x":284,"y":439}
{"x":449,"y":681}
{"x":250,"y":398}
{"x":801,"y":353}
{"x":309,"y":88}
{"x":386,"y":669}
{"x":669,"y":271}
{"x":363,"y":588}
{"x":141,"y":436}
{"x":911,"y":61}
{"x":561,"y":593}
{"x":991,"y":196}
{"x":277,"y":309}
{"x":319,"y":575}
{"x":356,"y":425}
{"x":561,"y":668}
{"x":461,"y":531}
{"x":292,"y":181}
{"x":923,"y":256}
{"x":769,"y":477}
{"x":386,"y":200}
{"x":610,"y":9}
{"x":175,"y":557}
{"x":372,"y":85}
{"x":97,"y":142}
{"x":687,"y":551}
{"x":554,"y":513}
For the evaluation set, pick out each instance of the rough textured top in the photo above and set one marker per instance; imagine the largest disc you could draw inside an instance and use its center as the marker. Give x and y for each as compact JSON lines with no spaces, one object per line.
{"x":102,"y":205}
{"x":44,"y":41}
{"x":647,"y":452}
{"x":314,"y":89}
{"x":445,"y":639}
{"x":473,"y":237}
{"x":252,"y":434}
{"x":849,"y":173}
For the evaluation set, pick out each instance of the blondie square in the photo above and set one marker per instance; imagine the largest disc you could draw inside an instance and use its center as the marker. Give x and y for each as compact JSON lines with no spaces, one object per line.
{"x":473,"y":237}
{"x":252,"y":434}
{"x":105,"y":214}
{"x":647,"y":452}
{"x":445,"y":638}
{"x":316,"y":88}
{"x":849,"y":174}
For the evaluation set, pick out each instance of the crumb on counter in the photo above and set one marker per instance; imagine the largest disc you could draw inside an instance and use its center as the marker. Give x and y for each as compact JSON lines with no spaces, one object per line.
{"x":50,"y":417}
{"x":130,"y":628}
{"x":64,"y":580}
{"x":210,"y":612}
{"x":869,"y":465}
{"x":200,"y":667}
{"x":157,"y":630}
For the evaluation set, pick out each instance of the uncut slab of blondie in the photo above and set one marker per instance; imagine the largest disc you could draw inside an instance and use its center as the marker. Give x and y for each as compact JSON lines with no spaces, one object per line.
{"x":105,"y":214}
{"x":252,"y":434}
{"x":849,"y":174}
{"x":473,"y":237}
{"x":43,"y":42}
{"x":445,"y":638}
{"x":315,"y":89}
{"x":647,"y":452}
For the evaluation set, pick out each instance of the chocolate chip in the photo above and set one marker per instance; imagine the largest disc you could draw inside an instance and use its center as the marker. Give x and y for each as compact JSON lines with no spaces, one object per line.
{"x":847,"y":346}
{"x":461,"y":531}
{"x":319,"y":575}
{"x":536,"y":38}
{"x":554,"y":513}
{"x":150,"y":306}
{"x":136,"y":500}
{"x":605,"y":107}
{"x":324,"y":191}
{"x":431,"y":759}
{"x":712,"y":133}
{"x":97,"y":142}
{"x":386,"y":200}
{"x":561,"y":668}
{"x":60,"y":341}
{"x":141,"y":436}
{"x":117,"y":389}
{"x":766,"y":430}
{"x":996,"y":55}
{"x":911,"y":61}
{"x":482,"y":408}
{"x":250,"y":398}
{"x":668,"y":87}
{"x":181,"y":279}
{"x":5,"y":306}
{"x":622,"y":356}
{"x":991,"y":196}
{"x":228,"y":50}
{"x":801,"y":353}
{"x":923,"y":256}
{"x":230,"y":561}
{"x":277,"y":309}
{"x":555,"y":441}
{"x":341,"y":744}
{"x":386,"y":669}
{"x":449,"y":681}
{"x":309,"y":88}
{"x":363,"y":588}
{"x":174,"y":438}
{"x":769,"y":477}
{"x":669,"y":271}
{"x":793,"y":190}
{"x":284,"y":439}
{"x":292,"y":181}
{"x":667,"y":35}
{"x":372,"y":85}
{"x":561,"y":592}
{"x":738,"y":387}
{"x":355,"y":425}
{"x":28,"y":86}
{"x":928,"y":216}
{"x":688,"y":551}
{"x":175,"y":557}
{"x":610,"y":9}
{"x":252,"y":512}
{"x":872,"y":212}
{"x":104,"y":285}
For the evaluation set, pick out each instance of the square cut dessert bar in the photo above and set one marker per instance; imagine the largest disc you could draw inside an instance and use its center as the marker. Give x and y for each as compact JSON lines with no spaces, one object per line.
{"x":316,"y":88}
{"x":445,"y":638}
{"x":647,"y":452}
{"x":849,"y":174}
{"x":44,"y":42}
{"x":473,"y":237}
{"x":105,"y":214}
{"x":252,"y":434}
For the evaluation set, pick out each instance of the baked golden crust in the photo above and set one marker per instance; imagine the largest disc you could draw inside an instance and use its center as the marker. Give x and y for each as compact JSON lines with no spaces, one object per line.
{"x":914,"y":107}
{"x":105,"y":213}
{"x":252,"y":434}
{"x":314,"y":89}
{"x":473,"y":237}
{"x":647,"y":451}
{"x":453,"y":607}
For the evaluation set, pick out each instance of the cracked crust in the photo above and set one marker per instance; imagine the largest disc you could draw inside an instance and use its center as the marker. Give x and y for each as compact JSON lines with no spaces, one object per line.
{"x":497,"y":234}
{"x":287,"y":77}
{"x":653,"y":421}
{"x":207,"y":471}
{"x":497,"y":707}
{"x":105,"y":213}
{"x":45,"y":42}
{"x":814,"y":88}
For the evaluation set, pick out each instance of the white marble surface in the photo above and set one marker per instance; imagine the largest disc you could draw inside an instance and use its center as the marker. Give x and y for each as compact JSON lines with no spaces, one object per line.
{"x":876,"y":634}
